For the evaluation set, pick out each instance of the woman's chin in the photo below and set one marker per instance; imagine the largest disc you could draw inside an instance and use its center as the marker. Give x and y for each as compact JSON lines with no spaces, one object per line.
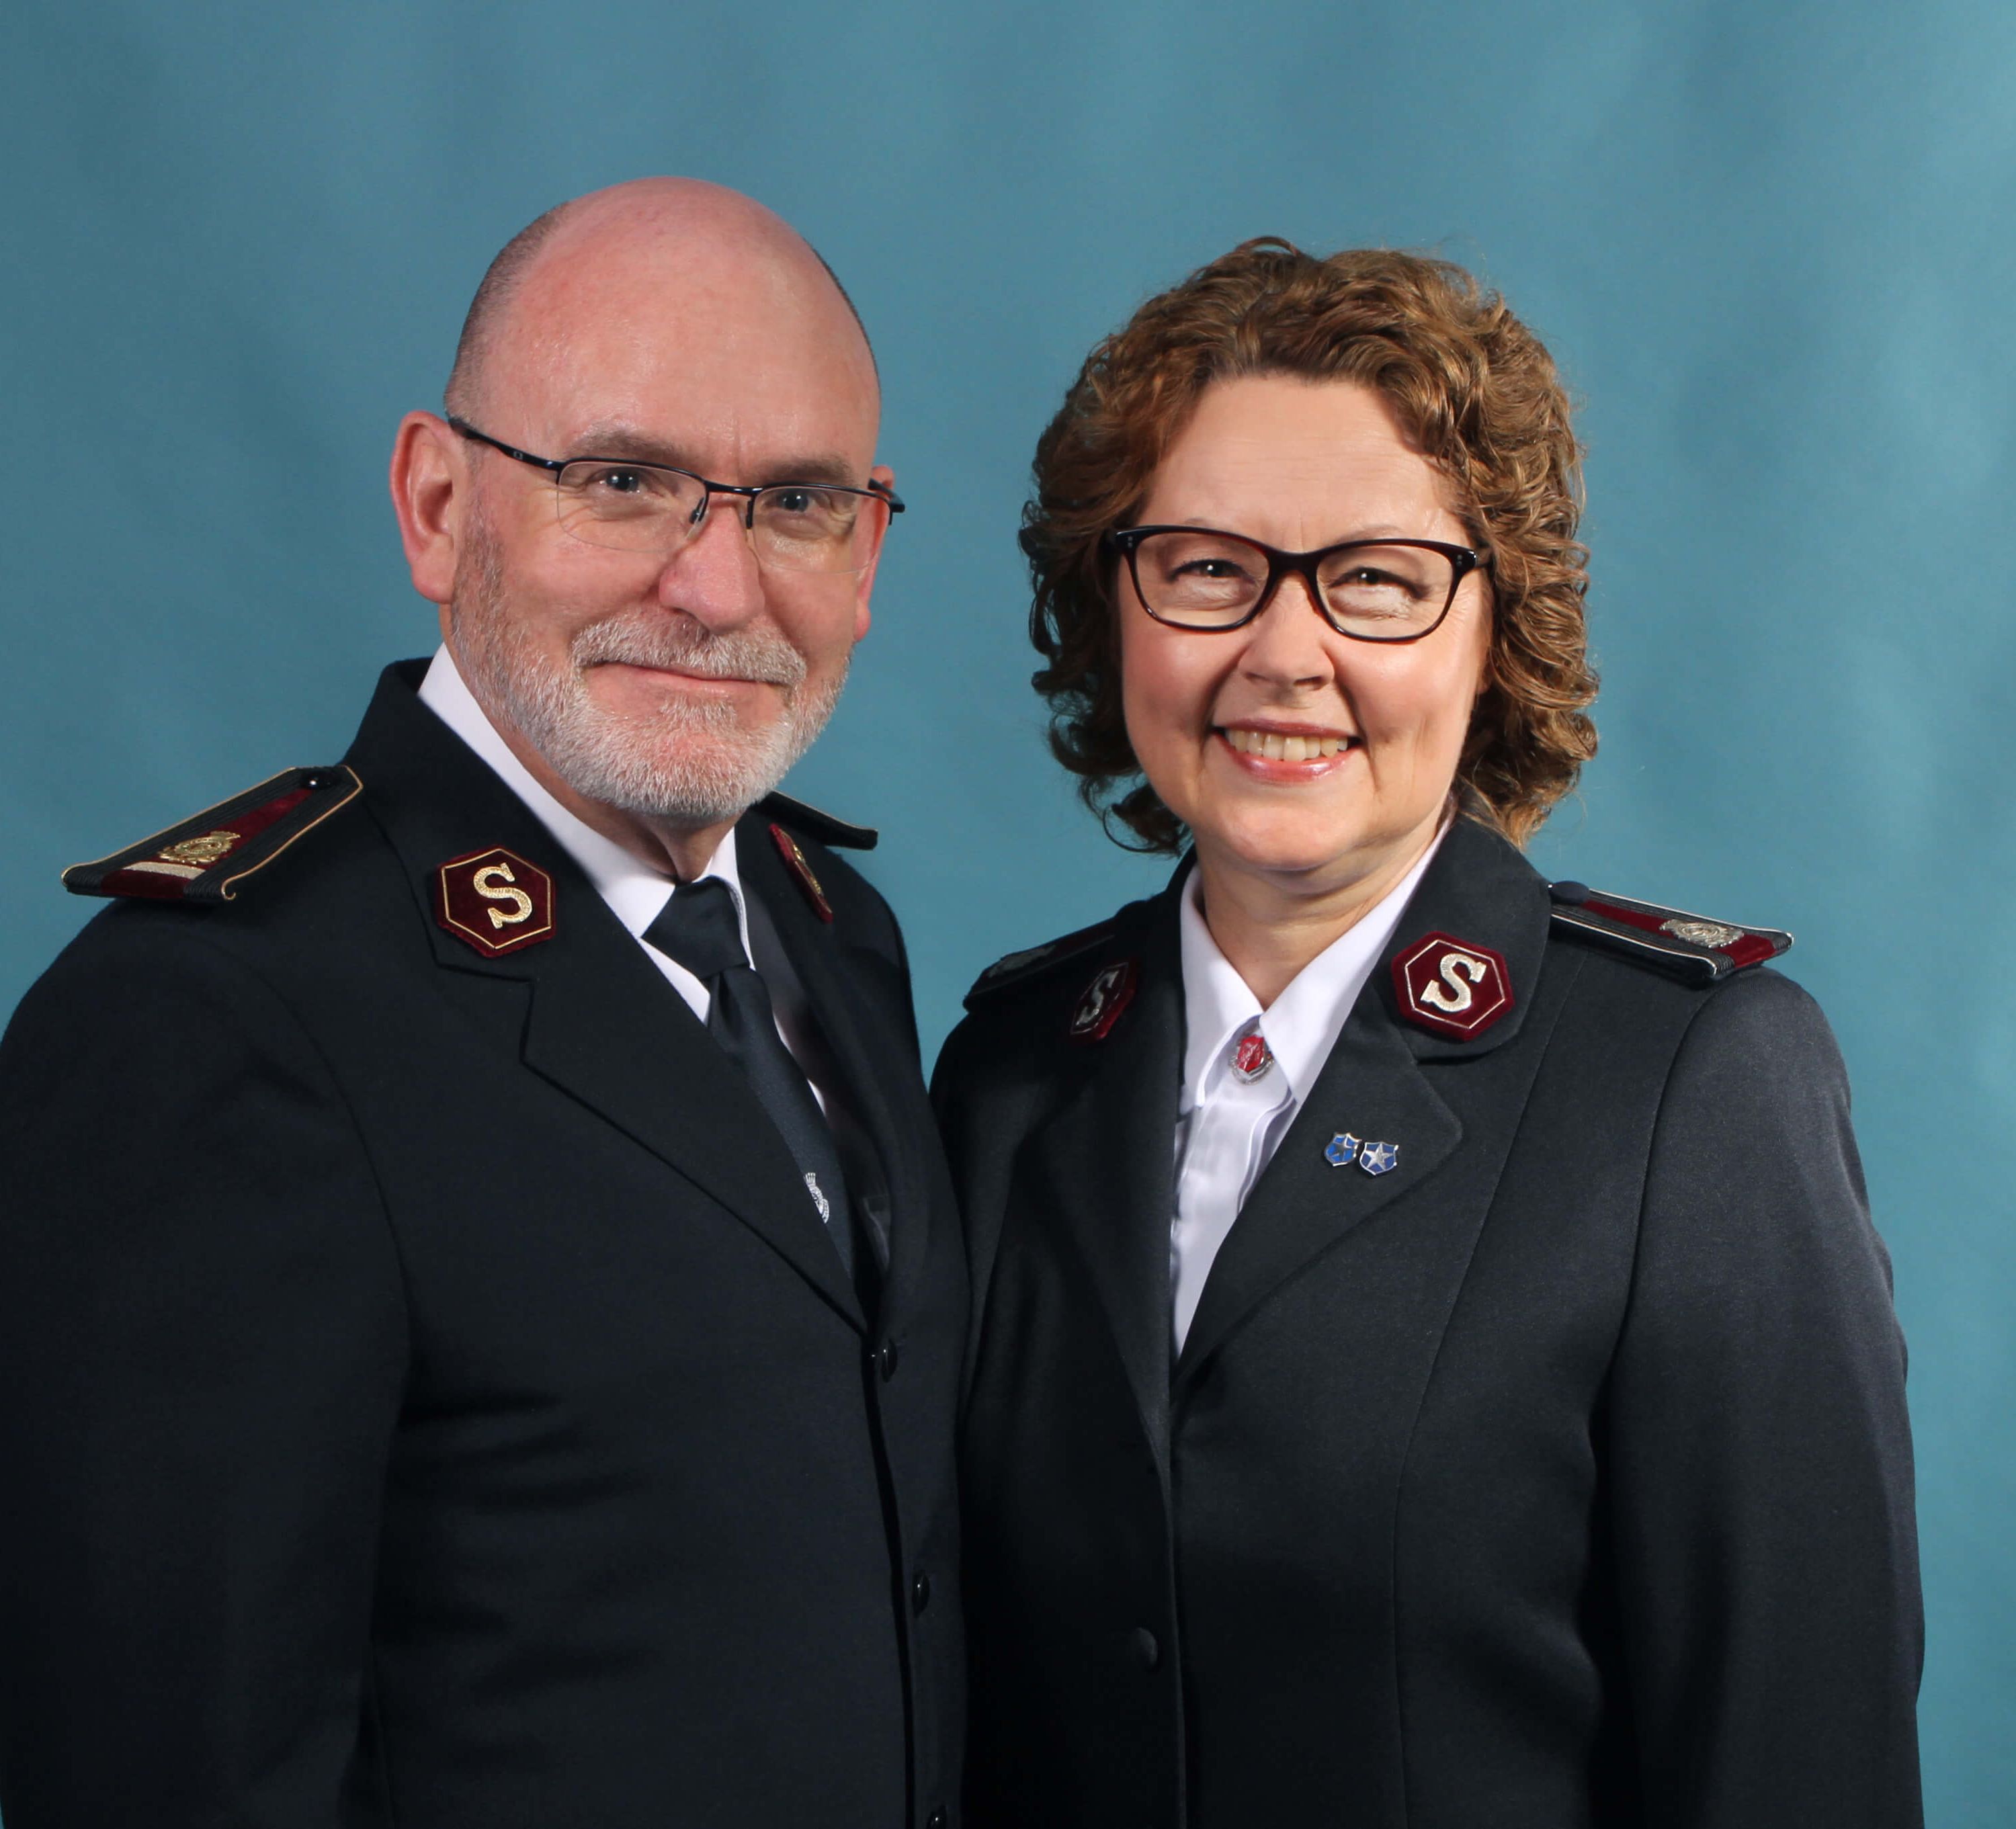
{"x":1288,"y":849}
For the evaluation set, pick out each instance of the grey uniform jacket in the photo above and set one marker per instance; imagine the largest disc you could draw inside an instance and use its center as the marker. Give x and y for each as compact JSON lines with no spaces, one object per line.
{"x":1558,"y":1477}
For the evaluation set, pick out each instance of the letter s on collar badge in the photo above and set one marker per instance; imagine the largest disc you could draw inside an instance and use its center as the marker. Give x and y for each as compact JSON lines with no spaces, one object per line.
{"x":1450,"y":987}
{"x":1104,"y":1001}
{"x":495,"y":902}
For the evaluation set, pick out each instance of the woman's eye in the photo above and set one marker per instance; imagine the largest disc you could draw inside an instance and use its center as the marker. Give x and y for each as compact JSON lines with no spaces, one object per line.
{"x":1370,"y":577}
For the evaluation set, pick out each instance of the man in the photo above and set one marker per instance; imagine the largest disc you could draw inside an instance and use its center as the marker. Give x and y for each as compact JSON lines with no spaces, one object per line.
{"x":480,"y":1301}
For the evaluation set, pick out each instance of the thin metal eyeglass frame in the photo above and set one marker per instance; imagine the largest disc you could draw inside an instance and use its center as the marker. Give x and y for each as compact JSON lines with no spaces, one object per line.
{"x":1463,"y":561}
{"x":749,"y":491}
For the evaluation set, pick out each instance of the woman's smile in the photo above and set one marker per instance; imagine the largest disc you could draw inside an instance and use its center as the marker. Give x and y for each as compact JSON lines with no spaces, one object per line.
{"x":1288,"y":753}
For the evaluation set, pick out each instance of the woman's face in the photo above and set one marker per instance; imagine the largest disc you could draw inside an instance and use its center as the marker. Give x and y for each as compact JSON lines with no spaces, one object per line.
{"x":1301,"y":465}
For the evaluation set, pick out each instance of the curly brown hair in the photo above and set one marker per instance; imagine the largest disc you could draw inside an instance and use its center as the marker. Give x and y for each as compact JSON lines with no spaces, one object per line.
{"x":1473,"y":388}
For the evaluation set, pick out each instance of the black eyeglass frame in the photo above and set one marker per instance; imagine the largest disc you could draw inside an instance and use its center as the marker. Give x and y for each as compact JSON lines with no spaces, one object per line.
{"x":1463,"y":561}
{"x":749,"y":491}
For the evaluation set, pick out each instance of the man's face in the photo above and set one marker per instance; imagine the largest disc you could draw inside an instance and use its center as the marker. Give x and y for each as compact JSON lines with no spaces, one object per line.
{"x":678,"y":686}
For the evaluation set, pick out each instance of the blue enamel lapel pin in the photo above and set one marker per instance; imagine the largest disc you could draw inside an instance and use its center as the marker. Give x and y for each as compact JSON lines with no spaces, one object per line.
{"x":1344,"y":1149}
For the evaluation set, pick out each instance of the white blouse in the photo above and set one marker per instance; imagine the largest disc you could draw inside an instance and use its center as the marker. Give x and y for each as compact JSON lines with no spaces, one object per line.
{"x":1246,"y":1071}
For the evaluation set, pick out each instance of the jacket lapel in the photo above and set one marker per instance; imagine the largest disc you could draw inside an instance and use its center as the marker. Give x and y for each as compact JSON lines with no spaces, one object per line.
{"x":603,"y":1025}
{"x":1107,"y":1159}
{"x":1386,"y":1081}
{"x":869,"y":1044}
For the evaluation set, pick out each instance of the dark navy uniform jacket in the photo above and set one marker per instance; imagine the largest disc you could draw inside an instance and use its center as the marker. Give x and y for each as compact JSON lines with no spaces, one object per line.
{"x":1558,"y":1477}
{"x":427,"y":1394}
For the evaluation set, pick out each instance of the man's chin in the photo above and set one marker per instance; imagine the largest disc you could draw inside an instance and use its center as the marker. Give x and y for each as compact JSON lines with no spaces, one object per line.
{"x":687,"y":783}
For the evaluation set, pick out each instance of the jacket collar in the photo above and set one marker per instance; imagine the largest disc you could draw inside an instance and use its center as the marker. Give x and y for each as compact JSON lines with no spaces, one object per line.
{"x":1480,"y":891}
{"x":1110,"y":1149}
{"x":603,"y":1025}
{"x":1109,"y":1152}
{"x":1387,"y":1082}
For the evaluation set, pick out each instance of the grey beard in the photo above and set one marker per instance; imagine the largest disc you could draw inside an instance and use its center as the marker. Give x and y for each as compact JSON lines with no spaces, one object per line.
{"x":691,"y":763}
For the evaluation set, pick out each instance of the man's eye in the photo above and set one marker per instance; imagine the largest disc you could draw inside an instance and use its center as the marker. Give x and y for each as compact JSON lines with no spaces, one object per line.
{"x":802,"y":503}
{"x":621,"y":482}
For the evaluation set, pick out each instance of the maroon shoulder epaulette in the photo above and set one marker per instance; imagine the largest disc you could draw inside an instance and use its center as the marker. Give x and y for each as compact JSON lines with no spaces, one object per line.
{"x":1690,"y":945}
{"x":1015,"y":968}
{"x":823,"y":826}
{"x":204,"y":859}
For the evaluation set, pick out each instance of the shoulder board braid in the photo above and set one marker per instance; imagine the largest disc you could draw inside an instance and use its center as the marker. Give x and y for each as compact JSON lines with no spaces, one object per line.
{"x":1016,"y":968}
{"x":1690,"y":946}
{"x":205,"y":857}
{"x":815,"y":824}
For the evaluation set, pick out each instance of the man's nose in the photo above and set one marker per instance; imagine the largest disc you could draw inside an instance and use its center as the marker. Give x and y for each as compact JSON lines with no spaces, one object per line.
{"x":714,"y":576}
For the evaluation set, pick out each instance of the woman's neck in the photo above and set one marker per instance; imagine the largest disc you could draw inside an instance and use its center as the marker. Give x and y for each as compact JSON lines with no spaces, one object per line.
{"x":1270,"y":925}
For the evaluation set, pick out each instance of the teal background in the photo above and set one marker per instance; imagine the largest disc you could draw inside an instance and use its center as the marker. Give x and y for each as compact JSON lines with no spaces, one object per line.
{"x":1772,"y":248}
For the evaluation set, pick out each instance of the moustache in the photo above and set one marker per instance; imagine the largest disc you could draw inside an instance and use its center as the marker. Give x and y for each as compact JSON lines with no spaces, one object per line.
{"x":682,"y":645}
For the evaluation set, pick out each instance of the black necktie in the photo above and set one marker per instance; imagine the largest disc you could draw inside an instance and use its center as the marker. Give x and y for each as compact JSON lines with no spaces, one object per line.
{"x":699,"y":928}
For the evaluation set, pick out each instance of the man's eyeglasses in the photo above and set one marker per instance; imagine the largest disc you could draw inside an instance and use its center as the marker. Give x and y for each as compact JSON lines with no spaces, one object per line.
{"x":654,"y":508}
{"x":1370,"y":590}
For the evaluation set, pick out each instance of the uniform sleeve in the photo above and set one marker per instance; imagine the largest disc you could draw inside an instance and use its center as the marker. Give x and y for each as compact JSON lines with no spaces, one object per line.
{"x":201,"y":1351}
{"x":1760,"y":1450}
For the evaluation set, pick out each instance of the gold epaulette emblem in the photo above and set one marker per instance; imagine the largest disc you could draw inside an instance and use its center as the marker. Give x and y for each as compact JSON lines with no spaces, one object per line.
{"x":205,"y":859}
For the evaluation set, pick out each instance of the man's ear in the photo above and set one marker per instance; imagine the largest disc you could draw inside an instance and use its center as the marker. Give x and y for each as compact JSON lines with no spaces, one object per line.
{"x":430,"y":483}
{"x":881,"y":473}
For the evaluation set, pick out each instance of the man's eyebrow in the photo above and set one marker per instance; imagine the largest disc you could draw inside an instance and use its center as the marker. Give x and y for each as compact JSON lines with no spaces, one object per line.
{"x":625,"y":441}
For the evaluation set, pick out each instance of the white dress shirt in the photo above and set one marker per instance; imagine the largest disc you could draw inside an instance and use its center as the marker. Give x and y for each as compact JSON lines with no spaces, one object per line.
{"x":636,"y":893}
{"x":1228,"y":1126}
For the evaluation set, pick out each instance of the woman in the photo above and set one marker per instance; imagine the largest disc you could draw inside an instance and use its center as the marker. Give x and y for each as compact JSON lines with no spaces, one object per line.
{"x":1432,"y":1364}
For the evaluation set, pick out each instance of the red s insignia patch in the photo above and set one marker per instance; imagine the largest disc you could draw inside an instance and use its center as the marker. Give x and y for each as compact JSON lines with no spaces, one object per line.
{"x":1451,"y":987}
{"x":495,"y":902}
{"x":1105,"y":1002}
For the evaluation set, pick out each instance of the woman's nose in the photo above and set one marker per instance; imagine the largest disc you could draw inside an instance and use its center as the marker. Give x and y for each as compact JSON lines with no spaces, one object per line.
{"x":1289,"y":642}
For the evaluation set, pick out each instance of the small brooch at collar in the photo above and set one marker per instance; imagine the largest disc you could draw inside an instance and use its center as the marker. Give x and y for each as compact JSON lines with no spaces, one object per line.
{"x":1252,"y":1057}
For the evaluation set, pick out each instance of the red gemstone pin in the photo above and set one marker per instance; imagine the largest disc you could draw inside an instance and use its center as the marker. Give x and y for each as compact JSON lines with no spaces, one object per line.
{"x":1105,"y":1001}
{"x":1252,"y":1057}
{"x":1451,"y":987}
{"x":794,"y":861}
{"x":495,"y":902}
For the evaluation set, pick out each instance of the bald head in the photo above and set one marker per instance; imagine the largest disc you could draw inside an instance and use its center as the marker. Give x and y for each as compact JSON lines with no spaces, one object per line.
{"x":698,"y":237}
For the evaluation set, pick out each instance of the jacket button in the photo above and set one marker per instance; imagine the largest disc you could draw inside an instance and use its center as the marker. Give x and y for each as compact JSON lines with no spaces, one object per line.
{"x":937,"y":1820}
{"x":920,"y":1593}
{"x":886,"y":1359}
{"x":1146,"y":1648}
